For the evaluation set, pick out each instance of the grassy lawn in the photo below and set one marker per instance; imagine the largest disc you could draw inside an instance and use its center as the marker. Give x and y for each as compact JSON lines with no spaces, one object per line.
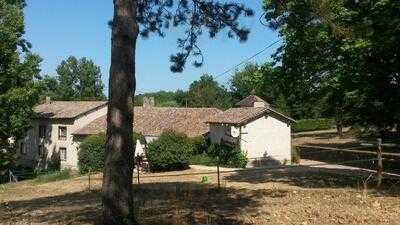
{"x":297,"y":195}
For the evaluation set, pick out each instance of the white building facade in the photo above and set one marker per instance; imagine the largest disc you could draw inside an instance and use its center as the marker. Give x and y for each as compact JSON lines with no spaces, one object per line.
{"x":55,"y":136}
{"x":260,"y":131}
{"x":50,"y":143}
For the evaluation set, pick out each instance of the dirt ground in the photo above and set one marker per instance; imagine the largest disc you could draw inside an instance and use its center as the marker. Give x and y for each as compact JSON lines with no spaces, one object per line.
{"x":327,"y":138}
{"x":349,"y":140}
{"x":293,"y":195}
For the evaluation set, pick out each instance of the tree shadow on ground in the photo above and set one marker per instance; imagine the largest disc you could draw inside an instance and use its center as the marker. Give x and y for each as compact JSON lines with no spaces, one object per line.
{"x":193,"y":203}
{"x":78,"y":207}
{"x":312,"y":177}
{"x":155,"y":203}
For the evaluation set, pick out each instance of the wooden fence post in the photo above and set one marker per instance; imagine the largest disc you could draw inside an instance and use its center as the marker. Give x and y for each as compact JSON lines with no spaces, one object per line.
{"x":89,"y":181}
{"x":380,"y":164}
{"x":219,"y":182}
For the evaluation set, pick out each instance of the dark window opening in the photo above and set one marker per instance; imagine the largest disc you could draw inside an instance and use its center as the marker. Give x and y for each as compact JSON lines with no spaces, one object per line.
{"x":62,"y":133}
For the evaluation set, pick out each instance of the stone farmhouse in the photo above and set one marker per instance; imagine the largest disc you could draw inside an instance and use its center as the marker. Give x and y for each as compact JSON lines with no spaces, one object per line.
{"x":54,"y":138}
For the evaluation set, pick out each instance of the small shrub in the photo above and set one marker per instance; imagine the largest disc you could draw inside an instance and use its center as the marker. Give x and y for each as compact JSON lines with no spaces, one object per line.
{"x":171,"y":151}
{"x":53,"y":176}
{"x":237,"y":159}
{"x":91,"y":153}
{"x":230,"y":156}
{"x":313,"y":124}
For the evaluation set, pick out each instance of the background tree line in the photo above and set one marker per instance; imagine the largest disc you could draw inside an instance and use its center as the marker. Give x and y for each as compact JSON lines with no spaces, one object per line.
{"x":22,"y":87}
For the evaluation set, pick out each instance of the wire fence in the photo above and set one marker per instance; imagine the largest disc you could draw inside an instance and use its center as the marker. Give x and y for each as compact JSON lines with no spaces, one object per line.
{"x":315,"y":169}
{"x":373,"y":160}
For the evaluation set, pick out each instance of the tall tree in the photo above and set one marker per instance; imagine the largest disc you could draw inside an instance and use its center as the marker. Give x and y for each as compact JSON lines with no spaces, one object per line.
{"x":245,"y":81}
{"x":131,"y":18}
{"x":77,"y":79}
{"x":206,"y":92}
{"x":264,"y":81}
{"x":19,"y":70}
{"x":346,"y":48}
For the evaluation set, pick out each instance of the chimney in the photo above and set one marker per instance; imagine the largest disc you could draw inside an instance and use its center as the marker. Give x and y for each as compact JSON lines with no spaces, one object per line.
{"x":48,"y":100}
{"x":148,"y":101}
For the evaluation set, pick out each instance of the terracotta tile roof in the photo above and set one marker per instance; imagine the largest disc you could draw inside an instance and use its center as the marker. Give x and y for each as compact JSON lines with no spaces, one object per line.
{"x":249,"y":101}
{"x":66,"y":109}
{"x":238,"y":115}
{"x":152,"y":121}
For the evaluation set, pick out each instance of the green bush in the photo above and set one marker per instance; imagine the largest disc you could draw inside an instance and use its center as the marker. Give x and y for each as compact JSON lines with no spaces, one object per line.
{"x":171,"y":151}
{"x":53,"y":176}
{"x":313,"y":124}
{"x":229,"y":156}
{"x":203,"y":159}
{"x":199,"y":144}
{"x":91,"y":153}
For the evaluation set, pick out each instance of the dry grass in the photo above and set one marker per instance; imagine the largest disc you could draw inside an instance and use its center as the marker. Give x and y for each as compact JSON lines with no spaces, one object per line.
{"x":298,"y":195}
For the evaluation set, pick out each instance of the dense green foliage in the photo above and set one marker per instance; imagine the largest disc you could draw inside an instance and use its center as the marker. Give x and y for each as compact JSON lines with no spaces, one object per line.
{"x":212,"y":154}
{"x":162,"y":98}
{"x":53,"y":176}
{"x":77,"y":79}
{"x":229,"y":156}
{"x":264,"y":81}
{"x":19,"y":71}
{"x":313,"y":124}
{"x":91,"y":152}
{"x":171,"y":151}
{"x":205,"y":92}
{"x":199,"y":144}
{"x":203,"y":159}
{"x":341,"y":55}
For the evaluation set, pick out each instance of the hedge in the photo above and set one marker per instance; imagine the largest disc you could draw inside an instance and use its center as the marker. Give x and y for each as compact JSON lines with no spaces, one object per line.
{"x":91,"y":153}
{"x":171,"y":151}
{"x":313,"y":124}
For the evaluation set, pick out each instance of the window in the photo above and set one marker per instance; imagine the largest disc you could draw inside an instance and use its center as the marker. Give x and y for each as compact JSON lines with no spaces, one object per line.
{"x":62,"y":133}
{"x":41,"y":150}
{"x":22,"y":148}
{"x":42,"y":131}
{"x":63,"y":154}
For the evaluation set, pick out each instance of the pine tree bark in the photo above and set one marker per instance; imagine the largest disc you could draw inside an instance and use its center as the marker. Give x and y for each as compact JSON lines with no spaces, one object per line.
{"x":117,"y":195}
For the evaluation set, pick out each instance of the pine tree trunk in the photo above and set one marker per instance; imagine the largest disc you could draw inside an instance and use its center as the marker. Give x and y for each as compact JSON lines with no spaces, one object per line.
{"x":117,"y":193}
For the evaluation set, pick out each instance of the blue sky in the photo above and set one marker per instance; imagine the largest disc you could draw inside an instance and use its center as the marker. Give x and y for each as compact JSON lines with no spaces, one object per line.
{"x":58,"y":29}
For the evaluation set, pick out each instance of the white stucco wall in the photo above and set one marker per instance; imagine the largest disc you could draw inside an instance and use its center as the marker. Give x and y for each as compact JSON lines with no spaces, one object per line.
{"x":73,"y":145}
{"x":52,"y":144}
{"x":266,"y":136}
